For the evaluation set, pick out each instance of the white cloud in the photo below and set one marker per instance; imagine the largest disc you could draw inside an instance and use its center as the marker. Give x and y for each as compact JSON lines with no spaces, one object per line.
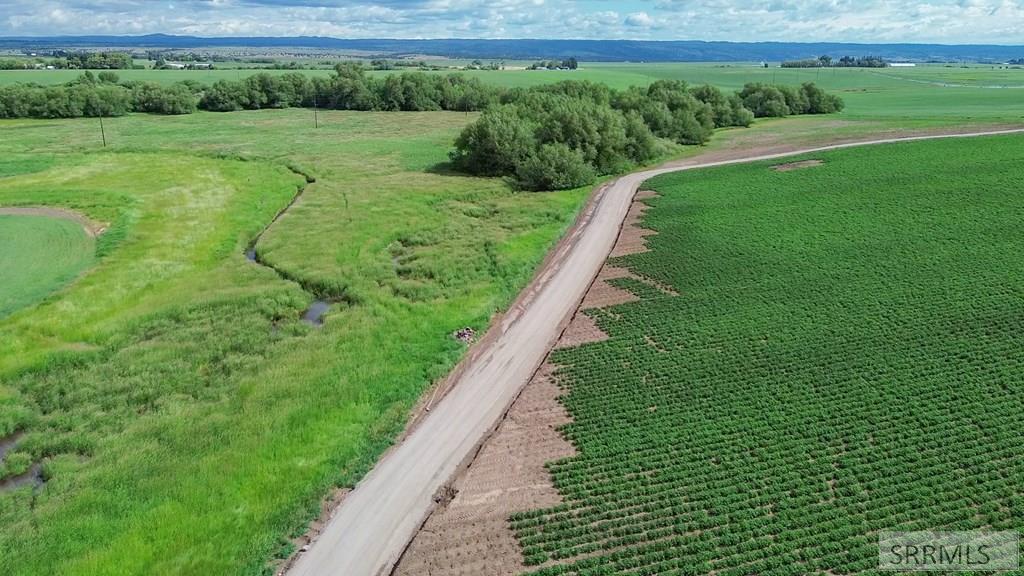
{"x":950,"y":21}
{"x":641,"y":19}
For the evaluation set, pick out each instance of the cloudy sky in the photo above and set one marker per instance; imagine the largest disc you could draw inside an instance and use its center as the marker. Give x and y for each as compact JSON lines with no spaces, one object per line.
{"x":946,"y":21}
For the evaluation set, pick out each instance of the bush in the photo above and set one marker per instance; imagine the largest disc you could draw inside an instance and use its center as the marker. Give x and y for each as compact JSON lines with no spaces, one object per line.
{"x":820,"y":102}
{"x":670,"y":110}
{"x":554,"y":167}
{"x":641,"y":145}
{"x":796,"y":100}
{"x":221,"y":97}
{"x":495,"y":144}
{"x":764,"y":101}
{"x":156,"y":99}
{"x":597,"y":132}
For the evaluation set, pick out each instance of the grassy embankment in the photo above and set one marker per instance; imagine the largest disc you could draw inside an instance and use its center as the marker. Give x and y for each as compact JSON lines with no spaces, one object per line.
{"x":841,"y":356}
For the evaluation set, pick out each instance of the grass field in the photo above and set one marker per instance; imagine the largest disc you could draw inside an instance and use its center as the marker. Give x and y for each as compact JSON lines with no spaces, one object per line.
{"x":841,"y":356}
{"x":40,"y":255}
{"x":185,"y":419}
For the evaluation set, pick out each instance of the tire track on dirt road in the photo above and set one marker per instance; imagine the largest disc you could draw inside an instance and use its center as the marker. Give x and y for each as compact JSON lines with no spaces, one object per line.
{"x":369,"y":531}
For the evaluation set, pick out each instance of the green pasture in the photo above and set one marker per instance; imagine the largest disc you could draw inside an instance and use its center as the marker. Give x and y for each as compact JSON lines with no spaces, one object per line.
{"x":186,"y":421}
{"x":38,"y":255}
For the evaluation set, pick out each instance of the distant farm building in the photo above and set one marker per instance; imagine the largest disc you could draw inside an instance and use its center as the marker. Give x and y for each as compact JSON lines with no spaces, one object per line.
{"x":187,"y":65}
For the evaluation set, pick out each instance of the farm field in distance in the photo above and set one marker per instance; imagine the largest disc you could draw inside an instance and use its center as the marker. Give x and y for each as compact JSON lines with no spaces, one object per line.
{"x":806,"y":357}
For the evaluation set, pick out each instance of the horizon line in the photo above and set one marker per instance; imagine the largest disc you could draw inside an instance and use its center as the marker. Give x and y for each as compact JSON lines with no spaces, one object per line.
{"x":503,"y":39}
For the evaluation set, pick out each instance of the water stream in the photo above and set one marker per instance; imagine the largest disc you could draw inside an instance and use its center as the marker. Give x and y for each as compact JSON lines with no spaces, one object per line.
{"x":314,"y":315}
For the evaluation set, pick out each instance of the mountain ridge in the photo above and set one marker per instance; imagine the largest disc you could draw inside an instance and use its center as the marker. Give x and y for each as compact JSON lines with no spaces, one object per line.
{"x":530,"y":48}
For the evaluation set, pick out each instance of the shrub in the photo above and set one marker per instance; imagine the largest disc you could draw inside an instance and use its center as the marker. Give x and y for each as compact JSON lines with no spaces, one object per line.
{"x":495,"y":144}
{"x":820,"y":102}
{"x":764,"y":101}
{"x":796,"y":99}
{"x":156,"y":99}
{"x":554,"y":167}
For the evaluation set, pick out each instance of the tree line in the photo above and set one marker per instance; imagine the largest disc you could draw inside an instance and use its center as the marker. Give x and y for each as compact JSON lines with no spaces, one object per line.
{"x":94,"y":60}
{"x":73,"y":60}
{"x":93,"y":95}
{"x":350,"y":88}
{"x":567,"y":64}
{"x":564,"y":135}
{"x":546,"y":137}
{"x":844,"y":62}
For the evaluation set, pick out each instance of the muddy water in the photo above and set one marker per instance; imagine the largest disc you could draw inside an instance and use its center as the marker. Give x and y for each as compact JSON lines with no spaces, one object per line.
{"x":7,"y":444}
{"x":31,"y":477}
{"x":314,"y":315}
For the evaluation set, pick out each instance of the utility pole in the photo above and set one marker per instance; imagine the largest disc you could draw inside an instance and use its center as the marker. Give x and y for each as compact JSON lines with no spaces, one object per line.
{"x":316,"y":117}
{"x":103,"y":133}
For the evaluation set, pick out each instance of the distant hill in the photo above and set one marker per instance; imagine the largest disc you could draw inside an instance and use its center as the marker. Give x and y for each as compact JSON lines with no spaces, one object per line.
{"x":592,"y":50}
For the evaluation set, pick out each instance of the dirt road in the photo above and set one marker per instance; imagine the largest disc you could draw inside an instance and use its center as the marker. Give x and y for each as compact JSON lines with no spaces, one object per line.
{"x":368,"y":532}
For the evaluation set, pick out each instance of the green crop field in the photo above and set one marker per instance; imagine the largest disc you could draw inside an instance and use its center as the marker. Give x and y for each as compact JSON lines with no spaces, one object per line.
{"x":842,"y":355}
{"x":39,"y":255}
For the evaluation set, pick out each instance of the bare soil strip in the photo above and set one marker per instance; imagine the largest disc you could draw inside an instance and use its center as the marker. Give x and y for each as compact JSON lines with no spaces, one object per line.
{"x":790,"y":166}
{"x":91,"y":227}
{"x":368,"y":533}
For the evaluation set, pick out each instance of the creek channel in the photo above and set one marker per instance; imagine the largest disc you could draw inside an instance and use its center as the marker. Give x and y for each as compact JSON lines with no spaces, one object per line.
{"x":314,"y":314}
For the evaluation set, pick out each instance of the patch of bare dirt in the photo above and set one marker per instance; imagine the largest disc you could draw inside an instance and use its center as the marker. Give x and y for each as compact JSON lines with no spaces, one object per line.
{"x":91,"y":228}
{"x":633,"y":238}
{"x":790,"y":166}
{"x":470,"y":535}
{"x":602,"y":294}
{"x":582,"y":330}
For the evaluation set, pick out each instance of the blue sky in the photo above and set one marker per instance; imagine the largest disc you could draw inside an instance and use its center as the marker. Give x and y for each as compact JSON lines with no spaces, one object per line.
{"x":946,"y":21}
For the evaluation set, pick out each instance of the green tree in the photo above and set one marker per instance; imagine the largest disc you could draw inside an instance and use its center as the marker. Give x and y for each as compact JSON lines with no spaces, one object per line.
{"x":764,"y":101}
{"x":495,"y":144}
{"x":819,"y":101}
{"x":554,"y":167}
